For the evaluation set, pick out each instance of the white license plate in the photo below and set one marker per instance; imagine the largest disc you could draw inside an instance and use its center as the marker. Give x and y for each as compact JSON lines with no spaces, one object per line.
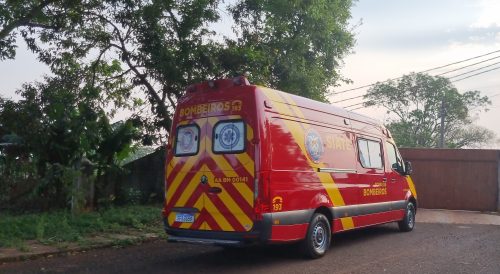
{"x":184,"y":217}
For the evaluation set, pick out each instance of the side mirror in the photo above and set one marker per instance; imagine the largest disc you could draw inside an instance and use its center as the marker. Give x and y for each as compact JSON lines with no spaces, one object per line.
{"x":408,"y":168}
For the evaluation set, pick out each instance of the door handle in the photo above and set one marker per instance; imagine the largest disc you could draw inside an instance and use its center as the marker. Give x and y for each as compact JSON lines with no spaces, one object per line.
{"x":384,"y":180}
{"x":215,"y":190}
{"x":393,"y":180}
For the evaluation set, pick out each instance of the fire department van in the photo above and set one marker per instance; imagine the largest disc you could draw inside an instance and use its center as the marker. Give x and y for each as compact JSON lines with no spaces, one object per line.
{"x":250,"y":164}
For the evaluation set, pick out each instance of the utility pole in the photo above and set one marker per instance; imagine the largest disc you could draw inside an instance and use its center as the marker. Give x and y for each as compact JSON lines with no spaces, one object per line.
{"x":441,"y":130}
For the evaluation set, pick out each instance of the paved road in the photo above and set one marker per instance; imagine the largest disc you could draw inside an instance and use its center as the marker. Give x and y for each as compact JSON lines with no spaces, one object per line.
{"x":430,"y":248}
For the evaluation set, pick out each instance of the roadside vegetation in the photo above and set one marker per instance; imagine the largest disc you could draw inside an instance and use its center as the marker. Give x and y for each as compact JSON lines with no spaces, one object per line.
{"x":61,"y":145}
{"x":60,"y":228}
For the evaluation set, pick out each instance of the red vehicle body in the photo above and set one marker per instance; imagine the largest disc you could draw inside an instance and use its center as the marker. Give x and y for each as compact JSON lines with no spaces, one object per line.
{"x":250,"y":164}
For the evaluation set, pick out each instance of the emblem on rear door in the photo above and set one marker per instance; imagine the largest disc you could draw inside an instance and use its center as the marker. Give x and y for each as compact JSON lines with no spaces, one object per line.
{"x":204,"y":179}
{"x":229,"y":136}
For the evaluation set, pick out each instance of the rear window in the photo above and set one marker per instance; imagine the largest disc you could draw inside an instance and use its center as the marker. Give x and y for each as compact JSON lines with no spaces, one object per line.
{"x":229,"y":137}
{"x":370,"y":153}
{"x":187,"y":141}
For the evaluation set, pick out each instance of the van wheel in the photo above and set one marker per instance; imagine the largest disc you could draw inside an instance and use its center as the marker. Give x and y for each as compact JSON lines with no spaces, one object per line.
{"x":318,"y":237}
{"x":408,"y":222}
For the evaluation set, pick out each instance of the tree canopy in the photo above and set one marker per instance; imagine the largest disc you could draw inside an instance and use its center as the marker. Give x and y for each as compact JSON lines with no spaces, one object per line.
{"x":139,"y":56}
{"x":419,"y":101}
{"x":163,"y":46}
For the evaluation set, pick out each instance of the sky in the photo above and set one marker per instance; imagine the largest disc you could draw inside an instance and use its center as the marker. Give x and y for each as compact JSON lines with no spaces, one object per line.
{"x":396,"y":37}
{"x":393,"y":37}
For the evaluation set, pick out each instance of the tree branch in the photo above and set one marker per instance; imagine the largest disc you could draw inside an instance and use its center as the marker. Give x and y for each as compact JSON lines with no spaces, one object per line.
{"x":25,"y":20}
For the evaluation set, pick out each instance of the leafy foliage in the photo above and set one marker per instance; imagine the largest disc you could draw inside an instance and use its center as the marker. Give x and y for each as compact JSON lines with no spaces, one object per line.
{"x":294,"y":46}
{"x":58,"y":124}
{"x":419,"y":101}
{"x":165,"y":46}
{"x":112,"y":55}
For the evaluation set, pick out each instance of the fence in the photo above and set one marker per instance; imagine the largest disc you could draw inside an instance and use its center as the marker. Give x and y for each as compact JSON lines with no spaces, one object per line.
{"x":146,"y":175}
{"x":462,"y":179}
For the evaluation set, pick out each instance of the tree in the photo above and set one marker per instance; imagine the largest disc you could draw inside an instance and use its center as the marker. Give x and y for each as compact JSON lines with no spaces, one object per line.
{"x":422,"y":103}
{"x":60,"y":123}
{"x":295,"y":46}
{"x":164,"y":46}
{"x":37,"y":17}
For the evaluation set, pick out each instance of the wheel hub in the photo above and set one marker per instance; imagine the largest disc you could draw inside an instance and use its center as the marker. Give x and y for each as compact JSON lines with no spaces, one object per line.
{"x":411,"y":217}
{"x":319,"y":237}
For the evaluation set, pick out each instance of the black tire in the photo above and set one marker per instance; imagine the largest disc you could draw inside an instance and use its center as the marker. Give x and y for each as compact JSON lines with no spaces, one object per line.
{"x":318,"y":237}
{"x":408,"y":222}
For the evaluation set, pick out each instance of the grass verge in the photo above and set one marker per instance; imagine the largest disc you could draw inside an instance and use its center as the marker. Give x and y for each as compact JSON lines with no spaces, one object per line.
{"x":61,"y":227}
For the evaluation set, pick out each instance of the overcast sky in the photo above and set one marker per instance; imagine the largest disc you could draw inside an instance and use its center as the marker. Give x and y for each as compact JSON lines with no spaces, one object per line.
{"x":401,"y":36}
{"x":395,"y":37}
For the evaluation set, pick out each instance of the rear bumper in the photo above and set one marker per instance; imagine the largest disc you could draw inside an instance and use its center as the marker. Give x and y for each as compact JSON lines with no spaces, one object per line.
{"x":203,"y":241}
{"x":260,"y":233}
{"x":276,"y":227}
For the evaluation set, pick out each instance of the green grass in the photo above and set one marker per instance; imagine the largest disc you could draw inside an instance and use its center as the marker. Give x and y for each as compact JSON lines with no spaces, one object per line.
{"x":60,"y":226}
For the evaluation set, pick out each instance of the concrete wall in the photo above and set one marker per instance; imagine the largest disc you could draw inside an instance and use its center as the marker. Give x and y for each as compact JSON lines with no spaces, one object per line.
{"x":464,"y":179}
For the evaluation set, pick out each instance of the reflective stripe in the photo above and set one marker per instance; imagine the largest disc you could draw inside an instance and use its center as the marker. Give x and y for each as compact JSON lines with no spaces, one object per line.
{"x":411,"y":185}
{"x":290,"y":109}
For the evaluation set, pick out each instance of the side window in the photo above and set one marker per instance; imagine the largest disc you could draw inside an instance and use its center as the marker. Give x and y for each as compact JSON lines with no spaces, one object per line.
{"x":187,"y":140}
{"x":394,"y":159}
{"x":370,"y":153}
{"x":229,"y":137}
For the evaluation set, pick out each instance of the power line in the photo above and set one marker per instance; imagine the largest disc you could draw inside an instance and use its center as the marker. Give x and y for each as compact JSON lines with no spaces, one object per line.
{"x":357,"y":108}
{"x":479,"y":73}
{"x":460,"y":68}
{"x":353,"y":105}
{"x":359,"y":96}
{"x":347,"y":99}
{"x":455,"y":76}
{"x":360,"y":107}
{"x":431,"y":69}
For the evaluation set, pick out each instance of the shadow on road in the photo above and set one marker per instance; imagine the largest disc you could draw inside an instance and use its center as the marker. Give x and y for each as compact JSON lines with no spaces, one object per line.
{"x":257,"y":256}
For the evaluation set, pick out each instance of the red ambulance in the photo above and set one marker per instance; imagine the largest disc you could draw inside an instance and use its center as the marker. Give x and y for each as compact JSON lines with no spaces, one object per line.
{"x":248,"y":164}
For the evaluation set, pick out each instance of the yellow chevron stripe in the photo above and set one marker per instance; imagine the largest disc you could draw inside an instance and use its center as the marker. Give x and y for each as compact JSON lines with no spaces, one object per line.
{"x":171,"y":216}
{"x":229,"y":202}
{"x":228,"y":171}
{"x":172,"y":187}
{"x":199,"y":205}
{"x":326,"y":179}
{"x":249,"y":132}
{"x":171,"y":166}
{"x":219,"y":218}
{"x":246,"y":192}
{"x":347,"y":223}
{"x":206,"y":226}
{"x":188,"y":191}
{"x":246,"y":162}
{"x":411,"y":185}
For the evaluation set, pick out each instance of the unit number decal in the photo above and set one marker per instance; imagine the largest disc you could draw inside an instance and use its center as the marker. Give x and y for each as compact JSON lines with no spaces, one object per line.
{"x":277,"y":203}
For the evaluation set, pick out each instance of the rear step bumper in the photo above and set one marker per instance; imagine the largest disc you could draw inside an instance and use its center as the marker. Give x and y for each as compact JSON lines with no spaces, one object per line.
{"x":260,"y":233}
{"x":177,"y":239}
